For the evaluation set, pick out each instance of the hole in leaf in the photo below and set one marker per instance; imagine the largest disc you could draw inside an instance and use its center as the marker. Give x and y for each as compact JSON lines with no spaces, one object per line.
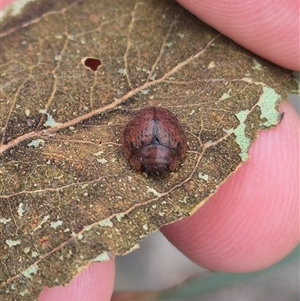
{"x":91,"y":63}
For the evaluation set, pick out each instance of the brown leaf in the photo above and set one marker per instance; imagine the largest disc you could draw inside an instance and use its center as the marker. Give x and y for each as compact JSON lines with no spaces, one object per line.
{"x":72,"y":74}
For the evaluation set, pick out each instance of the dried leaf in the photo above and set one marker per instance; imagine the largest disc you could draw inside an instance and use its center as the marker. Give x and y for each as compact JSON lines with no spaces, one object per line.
{"x":72,"y":74}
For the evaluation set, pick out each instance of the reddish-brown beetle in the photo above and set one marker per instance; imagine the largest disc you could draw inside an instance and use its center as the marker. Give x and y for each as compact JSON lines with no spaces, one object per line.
{"x":154,"y":141}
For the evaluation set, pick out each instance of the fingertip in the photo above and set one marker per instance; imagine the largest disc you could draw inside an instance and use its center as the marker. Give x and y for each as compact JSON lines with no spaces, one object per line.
{"x":267,"y":28}
{"x":252,"y":221}
{"x":94,"y":283}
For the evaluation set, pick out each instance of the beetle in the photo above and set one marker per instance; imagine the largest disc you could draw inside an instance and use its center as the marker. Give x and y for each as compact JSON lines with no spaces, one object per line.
{"x":154,"y":141}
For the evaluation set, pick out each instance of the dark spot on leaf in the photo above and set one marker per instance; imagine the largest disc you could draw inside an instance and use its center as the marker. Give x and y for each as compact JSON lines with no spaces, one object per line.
{"x":92,"y":63}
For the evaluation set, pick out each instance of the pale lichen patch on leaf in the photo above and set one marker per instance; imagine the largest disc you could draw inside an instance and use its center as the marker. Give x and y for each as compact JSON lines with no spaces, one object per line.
{"x":4,"y":220}
{"x":105,"y":256}
{"x":106,"y":223}
{"x":24,"y":293}
{"x":21,"y":209}
{"x":225,"y":95}
{"x":241,"y":139}
{"x":99,"y":153}
{"x":203,"y":176}
{"x":184,"y":200}
{"x":37,"y":142}
{"x":50,"y":122}
{"x":43,"y":221}
{"x":211,"y":65}
{"x":13,"y":243}
{"x":30,"y":271}
{"x":153,"y":191}
{"x":257,"y":65}
{"x":35,"y":254}
{"x":26,"y":250}
{"x":268,"y":106}
{"x":102,"y":160}
{"x":55,"y":224}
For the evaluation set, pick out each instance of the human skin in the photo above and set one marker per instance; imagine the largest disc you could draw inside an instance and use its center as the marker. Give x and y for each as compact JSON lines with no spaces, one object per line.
{"x":269,"y":28}
{"x":252,"y":221}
